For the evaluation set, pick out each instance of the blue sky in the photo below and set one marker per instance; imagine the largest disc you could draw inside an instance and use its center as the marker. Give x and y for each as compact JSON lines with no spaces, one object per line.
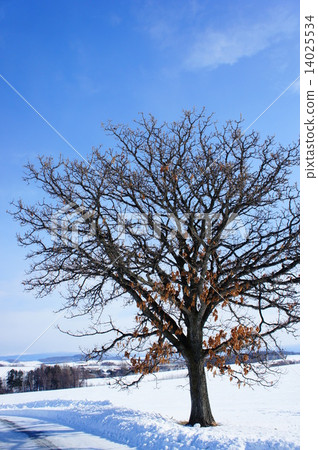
{"x":81,"y":62}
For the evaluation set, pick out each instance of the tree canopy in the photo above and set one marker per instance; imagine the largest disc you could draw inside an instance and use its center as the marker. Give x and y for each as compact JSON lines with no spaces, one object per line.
{"x":195,"y":223}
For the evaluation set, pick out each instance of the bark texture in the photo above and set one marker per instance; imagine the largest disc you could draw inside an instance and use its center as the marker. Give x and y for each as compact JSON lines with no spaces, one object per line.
{"x":200,"y":406}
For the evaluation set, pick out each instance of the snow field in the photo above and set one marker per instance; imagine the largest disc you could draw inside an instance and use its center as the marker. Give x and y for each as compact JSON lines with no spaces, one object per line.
{"x":151,"y":415}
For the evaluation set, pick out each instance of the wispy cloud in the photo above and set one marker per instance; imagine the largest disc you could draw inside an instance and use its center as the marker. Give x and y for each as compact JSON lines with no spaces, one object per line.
{"x":195,"y":40}
{"x":295,"y":88}
{"x":213,"y":48}
{"x":87,"y":84}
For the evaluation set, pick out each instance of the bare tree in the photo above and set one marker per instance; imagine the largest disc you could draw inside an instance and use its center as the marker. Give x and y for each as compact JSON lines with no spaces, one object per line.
{"x":196,"y":224}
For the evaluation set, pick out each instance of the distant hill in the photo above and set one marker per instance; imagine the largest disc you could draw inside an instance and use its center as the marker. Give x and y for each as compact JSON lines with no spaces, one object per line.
{"x":52,"y":358}
{"x":293,"y":348}
{"x":64,"y":357}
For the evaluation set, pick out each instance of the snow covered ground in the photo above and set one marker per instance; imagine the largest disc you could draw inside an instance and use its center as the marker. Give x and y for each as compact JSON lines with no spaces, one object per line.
{"x":26,"y":433}
{"x":152,"y":415}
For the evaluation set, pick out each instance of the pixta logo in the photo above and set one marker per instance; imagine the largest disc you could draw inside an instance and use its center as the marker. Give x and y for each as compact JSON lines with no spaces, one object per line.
{"x":72,"y":225}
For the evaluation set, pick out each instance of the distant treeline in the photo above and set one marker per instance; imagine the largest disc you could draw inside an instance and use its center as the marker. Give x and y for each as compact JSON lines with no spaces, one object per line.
{"x":44,"y":378}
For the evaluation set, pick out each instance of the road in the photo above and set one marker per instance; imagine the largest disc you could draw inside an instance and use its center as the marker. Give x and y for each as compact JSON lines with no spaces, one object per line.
{"x":25,"y":433}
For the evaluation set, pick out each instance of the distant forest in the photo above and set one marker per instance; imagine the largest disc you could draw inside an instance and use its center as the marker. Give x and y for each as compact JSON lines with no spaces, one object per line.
{"x":47,"y":377}
{"x":44,"y":378}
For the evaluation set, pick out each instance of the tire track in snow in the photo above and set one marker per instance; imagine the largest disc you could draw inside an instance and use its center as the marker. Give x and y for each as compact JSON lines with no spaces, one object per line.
{"x":37,"y":436}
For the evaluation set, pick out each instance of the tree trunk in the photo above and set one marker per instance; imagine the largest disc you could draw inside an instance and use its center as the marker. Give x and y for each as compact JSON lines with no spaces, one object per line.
{"x":200,"y":405}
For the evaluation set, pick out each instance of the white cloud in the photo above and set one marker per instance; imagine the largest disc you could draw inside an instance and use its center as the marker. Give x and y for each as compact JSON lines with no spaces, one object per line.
{"x":212,"y":48}
{"x":201,"y":35}
{"x":295,"y":88}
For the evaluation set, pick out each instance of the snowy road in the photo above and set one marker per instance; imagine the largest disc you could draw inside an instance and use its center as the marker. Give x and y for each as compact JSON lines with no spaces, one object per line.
{"x":25,"y":433}
{"x":14,"y":436}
